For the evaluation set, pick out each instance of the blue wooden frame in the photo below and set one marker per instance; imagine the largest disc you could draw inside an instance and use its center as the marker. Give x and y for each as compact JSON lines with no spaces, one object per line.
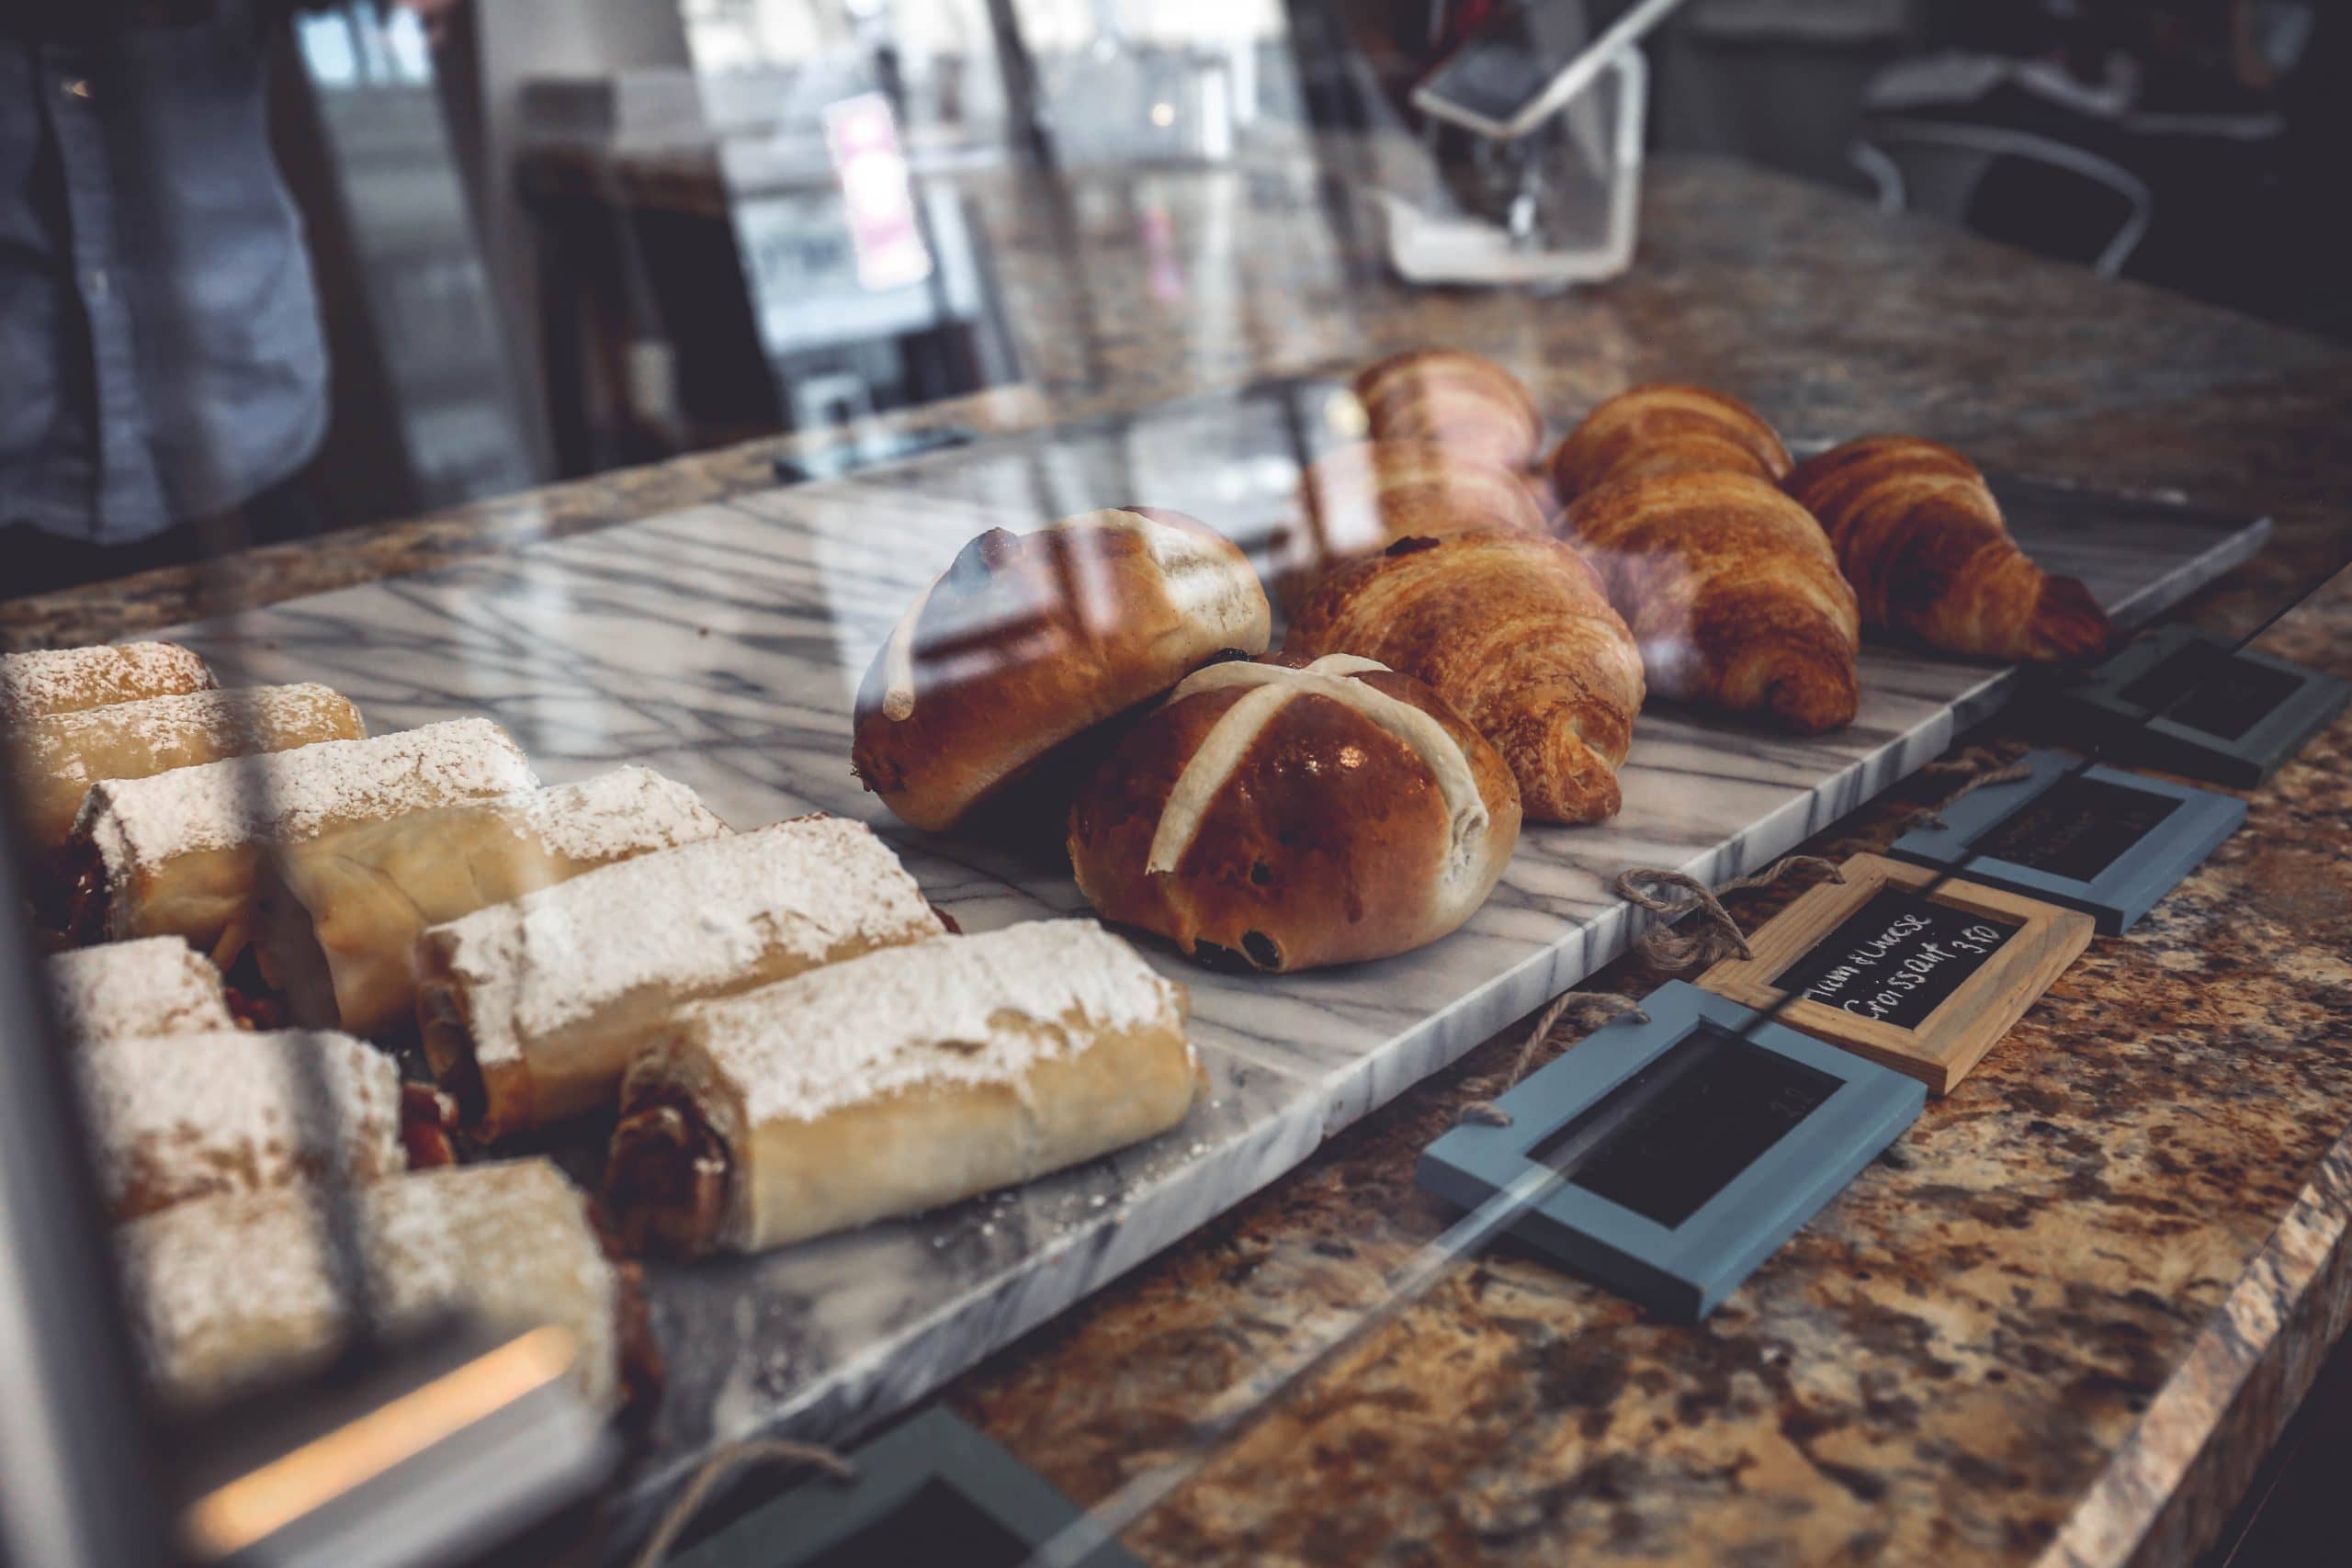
{"x":2245,"y":762}
{"x":1685,"y":1271}
{"x":934,"y":1447}
{"x":2119,"y":896}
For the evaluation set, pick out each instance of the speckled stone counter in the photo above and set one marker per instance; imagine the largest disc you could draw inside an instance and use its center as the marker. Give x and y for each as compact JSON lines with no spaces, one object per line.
{"x":2063,"y":1319}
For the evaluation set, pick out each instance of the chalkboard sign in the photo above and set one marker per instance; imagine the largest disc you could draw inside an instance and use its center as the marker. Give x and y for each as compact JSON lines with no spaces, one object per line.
{"x":932,"y":1489}
{"x":1667,"y":1158}
{"x":2099,"y":840}
{"x":2213,"y":689}
{"x":2078,"y":827}
{"x":1676,"y":1132}
{"x":1898,"y":958}
{"x":1923,"y":980}
{"x":2187,"y":702}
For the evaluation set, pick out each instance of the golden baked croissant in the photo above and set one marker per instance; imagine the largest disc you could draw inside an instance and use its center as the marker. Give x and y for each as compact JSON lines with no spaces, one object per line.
{"x":1359,"y":500}
{"x":1516,"y":634}
{"x":1469,"y":406}
{"x":1921,"y":539}
{"x":1733,"y":593}
{"x":1665,"y":429}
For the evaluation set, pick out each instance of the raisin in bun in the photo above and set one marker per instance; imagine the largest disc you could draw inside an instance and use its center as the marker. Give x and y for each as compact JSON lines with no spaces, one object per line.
{"x":1028,"y":642}
{"x":1282,"y":814}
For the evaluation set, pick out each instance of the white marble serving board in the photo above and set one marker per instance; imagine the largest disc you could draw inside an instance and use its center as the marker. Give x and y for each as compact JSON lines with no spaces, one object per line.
{"x":722,"y":645}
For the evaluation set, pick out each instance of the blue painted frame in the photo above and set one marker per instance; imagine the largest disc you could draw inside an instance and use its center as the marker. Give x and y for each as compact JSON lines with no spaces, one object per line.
{"x":2119,"y":896}
{"x":2245,"y":763}
{"x":935,"y":1446}
{"x":1686,"y":1270}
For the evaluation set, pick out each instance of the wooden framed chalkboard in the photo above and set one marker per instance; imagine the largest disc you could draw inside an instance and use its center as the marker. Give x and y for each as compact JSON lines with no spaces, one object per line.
{"x":933,"y":1489}
{"x":2186,"y":700}
{"x":2108,"y":842}
{"x":1923,"y":981}
{"x":1666,"y":1159}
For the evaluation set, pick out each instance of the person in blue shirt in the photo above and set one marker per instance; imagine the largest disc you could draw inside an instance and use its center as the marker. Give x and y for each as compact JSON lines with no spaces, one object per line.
{"x":162,"y":369}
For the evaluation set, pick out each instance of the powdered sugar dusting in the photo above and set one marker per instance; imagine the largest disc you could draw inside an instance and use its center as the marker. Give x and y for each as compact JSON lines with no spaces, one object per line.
{"x":228,"y":1289}
{"x":157,"y":985}
{"x":71,"y":680}
{"x":178,"y":1117}
{"x":970,"y":1009}
{"x":287,"y":796}
{"x":691,"y":919}
{"x":624,"y":812}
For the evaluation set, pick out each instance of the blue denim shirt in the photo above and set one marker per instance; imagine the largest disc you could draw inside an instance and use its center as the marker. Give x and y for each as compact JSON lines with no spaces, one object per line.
{"x":160,"y":350}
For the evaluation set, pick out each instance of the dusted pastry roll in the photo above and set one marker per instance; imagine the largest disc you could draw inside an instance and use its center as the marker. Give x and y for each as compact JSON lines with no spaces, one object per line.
{"x":531,"y":1009}
{"x":177,"y":854}
{"x":177,"y":1117}
{"x":895,"y":1083}
{"x":339,"y":915}
{"x":73,"y":680}
{"x":127,"y":989}
{"x":60,"y":756}
{"x":235,"y":1290}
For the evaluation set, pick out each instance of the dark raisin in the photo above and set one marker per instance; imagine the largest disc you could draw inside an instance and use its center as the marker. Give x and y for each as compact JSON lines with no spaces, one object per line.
{"x":1261,"y":873}
{"x":1411,"y":544}
{"x":1225,"y":656}
{"x":1262,"y":950}
{"x":1209,"y":955}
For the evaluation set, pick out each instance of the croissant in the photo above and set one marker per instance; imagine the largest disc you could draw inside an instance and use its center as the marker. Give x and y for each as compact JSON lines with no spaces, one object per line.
{"x":1359,"y":500}
{"x":1921,"y":539}
{"x":1733,"y":591}
{"x":1470,"y":406}
{"x":1665,"y":429}
{"x":1516,"y":634}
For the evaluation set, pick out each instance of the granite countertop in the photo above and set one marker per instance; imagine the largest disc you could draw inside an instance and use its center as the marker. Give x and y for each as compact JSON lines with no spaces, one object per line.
{"x":2066,"y":1317}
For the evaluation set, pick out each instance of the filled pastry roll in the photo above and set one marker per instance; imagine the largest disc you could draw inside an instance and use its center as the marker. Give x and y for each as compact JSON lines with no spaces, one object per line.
{"x":59,"y":756}
{"x":127,"y":990}
{"x":530,"y":1011}
{"x":178,"y":1117}
{"x":72,"y":680}
{"x":338,"y":916}
{"x":177,"y":854}
{"x":233,"y":1291}
{"x":895,"y":1083}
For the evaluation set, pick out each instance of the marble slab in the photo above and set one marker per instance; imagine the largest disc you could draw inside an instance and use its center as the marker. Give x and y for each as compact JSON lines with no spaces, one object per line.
{"x":722,"y":644}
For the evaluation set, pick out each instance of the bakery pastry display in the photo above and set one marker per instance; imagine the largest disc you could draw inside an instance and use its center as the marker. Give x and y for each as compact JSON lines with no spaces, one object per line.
{"x":1359,"y":500}
{"x":59,"y":756}
{"x":1029,"y":641}
{"x":1469,"y":405}
{"x":338,"y":916}
{"x":530,"y":1011}
{"x":127,"y":989}
{"x":1286,"y":814}
{"x":1516,"y":634}
{"x":179,"y":1117}
{"x":237,"y":1291}
{"x":1922,"y":540}
{"x":1733,"y":593}
{"x":177,"y":854}
{"x":895,"y":1083}
{"x":1665,"y":429}
{"x":74,"y":679}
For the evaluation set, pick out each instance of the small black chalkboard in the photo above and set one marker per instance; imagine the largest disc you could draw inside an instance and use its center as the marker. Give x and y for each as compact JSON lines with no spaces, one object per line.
{"x":2211,"y":690}
{"x":937,"y":1524}
{"x":2078,"y":827}
{"x":1679,"y":1130}
{"x":1897,"y":958}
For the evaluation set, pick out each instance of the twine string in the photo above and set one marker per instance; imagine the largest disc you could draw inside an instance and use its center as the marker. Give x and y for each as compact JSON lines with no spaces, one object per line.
{"x":1978,"y":767}
{"x":1583,"y":1012}
{"x":1670,"y":894}
{"x":723,"y":1462}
